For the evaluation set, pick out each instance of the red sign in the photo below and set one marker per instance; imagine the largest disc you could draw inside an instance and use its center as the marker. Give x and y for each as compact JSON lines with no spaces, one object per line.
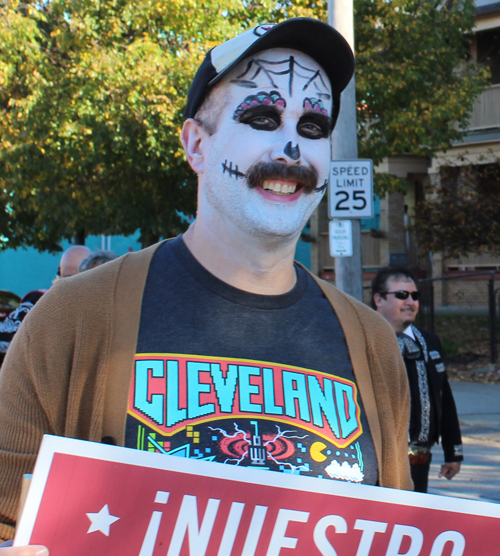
{"x":92,"y":499}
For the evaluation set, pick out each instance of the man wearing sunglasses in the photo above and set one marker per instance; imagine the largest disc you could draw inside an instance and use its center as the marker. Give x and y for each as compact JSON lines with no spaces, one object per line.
{"x":433,"y":412}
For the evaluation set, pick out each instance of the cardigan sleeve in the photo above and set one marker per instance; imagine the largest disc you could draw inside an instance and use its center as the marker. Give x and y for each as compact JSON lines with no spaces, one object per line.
{"x":25,"y":416}
{"x":390,"y":383}
{"x":398,"y":394}
{"x":55,"y":378}
{"x":50,"y":382}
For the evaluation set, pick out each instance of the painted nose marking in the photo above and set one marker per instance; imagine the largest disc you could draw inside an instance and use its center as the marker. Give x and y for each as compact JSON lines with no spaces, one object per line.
{"x":292,"y":152}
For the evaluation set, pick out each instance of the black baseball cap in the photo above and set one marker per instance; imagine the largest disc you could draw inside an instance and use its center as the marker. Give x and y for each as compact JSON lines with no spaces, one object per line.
{"x":313,"y":37}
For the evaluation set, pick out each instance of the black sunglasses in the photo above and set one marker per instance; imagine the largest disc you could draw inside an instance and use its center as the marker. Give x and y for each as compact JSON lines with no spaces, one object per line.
{"x":403,"y":294}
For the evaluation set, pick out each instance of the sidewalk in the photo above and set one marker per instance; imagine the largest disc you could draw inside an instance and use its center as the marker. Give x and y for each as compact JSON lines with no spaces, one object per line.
{"x":478,"y":408}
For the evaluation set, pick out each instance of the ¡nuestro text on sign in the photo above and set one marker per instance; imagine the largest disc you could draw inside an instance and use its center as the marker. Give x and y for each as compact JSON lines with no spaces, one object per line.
{"x":88,"y":498}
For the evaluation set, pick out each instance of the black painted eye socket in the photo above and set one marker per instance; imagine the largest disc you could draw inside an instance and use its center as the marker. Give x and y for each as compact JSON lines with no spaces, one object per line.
{"x":265,"y":123}
{"x":310,"y":130}
{"x":312,"y":127}
{"x":262,"y":118}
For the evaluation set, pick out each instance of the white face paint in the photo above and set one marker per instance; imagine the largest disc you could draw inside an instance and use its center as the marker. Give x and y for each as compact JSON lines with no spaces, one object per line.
{"x":269,"y":118}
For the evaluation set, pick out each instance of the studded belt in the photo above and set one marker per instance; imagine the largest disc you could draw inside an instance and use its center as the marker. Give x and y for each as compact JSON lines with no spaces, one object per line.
{"x":418,"y":455}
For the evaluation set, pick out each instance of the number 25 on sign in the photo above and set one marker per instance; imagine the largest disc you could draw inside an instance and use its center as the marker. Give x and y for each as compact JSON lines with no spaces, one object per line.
{"x":350,"y":193}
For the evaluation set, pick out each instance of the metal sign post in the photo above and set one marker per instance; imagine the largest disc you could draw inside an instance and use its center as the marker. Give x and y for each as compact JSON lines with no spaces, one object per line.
{"x":350,"y":195}
{"x":348,"y":270}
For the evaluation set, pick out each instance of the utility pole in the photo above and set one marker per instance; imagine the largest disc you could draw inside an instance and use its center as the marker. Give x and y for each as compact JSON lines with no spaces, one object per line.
{"x":348,"y":270}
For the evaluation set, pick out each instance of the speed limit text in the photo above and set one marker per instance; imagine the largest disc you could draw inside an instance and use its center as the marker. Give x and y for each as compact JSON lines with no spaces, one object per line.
{"x":342,"y":180}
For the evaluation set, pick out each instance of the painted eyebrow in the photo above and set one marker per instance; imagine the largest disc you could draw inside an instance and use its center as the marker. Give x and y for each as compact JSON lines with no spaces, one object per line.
{"x":316,"y":109}
{"x":316,"y":105}
{"x":262,"y":99}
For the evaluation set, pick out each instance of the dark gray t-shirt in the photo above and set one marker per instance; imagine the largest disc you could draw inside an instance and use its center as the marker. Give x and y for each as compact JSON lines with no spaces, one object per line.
{"x":244,"y":379}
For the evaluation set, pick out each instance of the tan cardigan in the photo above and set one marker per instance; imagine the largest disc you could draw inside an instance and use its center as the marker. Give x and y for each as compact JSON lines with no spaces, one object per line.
{"x":69,"y":368}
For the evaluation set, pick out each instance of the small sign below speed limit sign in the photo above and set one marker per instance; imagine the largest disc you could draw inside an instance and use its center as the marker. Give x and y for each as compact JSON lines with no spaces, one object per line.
{"x":350,"y":193}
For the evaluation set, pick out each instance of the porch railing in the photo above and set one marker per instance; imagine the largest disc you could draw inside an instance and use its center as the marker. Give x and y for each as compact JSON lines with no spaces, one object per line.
{"x":486,"y":110}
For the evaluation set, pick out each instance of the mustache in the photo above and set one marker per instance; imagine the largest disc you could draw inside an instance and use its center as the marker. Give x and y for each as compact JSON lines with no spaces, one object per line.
{"x":305,"y":176}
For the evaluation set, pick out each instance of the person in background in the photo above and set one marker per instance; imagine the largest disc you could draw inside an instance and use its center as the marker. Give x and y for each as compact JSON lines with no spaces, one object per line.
{"x":96,"y":259}
{"x":70,"y":261}
{"x":433,"y":413}
{"x":11,"y":324}
{"x":68,"y":266}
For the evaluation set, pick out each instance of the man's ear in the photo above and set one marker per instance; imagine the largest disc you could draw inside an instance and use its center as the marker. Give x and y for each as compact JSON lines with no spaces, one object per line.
{"x":192,"y":137}
{"x":377,"y":299}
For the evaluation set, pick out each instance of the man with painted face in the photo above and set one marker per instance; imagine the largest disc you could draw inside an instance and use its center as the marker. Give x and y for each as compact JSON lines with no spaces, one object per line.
{"x":215,"y":345}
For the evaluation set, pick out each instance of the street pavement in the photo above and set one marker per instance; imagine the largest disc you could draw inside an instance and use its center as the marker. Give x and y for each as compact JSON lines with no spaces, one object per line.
{"x":478,"y":408}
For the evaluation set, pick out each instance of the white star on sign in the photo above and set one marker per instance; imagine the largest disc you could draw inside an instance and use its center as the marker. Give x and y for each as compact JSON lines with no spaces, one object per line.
{"x":101,"y":521}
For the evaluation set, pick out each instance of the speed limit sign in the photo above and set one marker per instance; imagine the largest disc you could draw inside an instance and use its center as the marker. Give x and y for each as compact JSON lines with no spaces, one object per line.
{"x":350,"y":193}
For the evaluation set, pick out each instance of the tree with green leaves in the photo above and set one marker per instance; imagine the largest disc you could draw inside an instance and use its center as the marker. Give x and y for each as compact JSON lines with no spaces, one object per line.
{"x":415,"y":80}
{"x":464,"y":215}
{"x":92,"y":95}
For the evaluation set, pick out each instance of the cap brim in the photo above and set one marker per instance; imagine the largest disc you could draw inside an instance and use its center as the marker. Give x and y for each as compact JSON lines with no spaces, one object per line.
{"x":313,"y":37}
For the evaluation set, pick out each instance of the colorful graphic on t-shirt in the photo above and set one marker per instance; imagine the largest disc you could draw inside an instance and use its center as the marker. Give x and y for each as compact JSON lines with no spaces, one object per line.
{"x":251,"y":413}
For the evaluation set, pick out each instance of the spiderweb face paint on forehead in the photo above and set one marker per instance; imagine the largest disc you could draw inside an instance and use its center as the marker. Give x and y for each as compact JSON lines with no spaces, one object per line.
{"x":260,"y":99}
{"x":298,"y":74}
